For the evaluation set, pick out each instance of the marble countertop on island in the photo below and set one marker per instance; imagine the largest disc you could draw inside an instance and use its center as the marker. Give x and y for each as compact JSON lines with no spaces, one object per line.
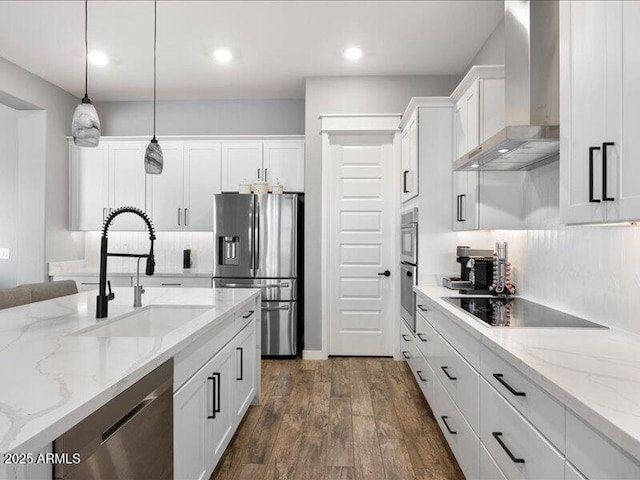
{"x":594,"y":372}
{"x":50,"y":379}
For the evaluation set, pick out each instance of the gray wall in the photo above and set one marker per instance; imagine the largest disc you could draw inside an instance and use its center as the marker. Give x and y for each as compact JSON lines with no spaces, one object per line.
{"x":326,"y":95}
{"x":23,"y":89}
{"x":492,"y":51}
{"x":204,"y":117}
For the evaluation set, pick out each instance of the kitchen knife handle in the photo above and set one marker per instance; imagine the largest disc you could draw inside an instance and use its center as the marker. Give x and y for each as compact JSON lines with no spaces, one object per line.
{"x":591,"y":199}
{"x":604,"y":171}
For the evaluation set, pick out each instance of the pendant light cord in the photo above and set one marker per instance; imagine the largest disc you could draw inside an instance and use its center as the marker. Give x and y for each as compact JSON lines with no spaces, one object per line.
{"x":86,"y":48}
{"x":155,"y":41}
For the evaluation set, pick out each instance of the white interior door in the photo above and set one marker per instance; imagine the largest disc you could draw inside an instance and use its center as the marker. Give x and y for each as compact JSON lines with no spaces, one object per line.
{"x":362,"y":211}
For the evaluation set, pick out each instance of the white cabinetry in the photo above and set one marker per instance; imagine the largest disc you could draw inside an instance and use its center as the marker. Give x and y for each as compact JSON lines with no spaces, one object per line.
{"x":599,"y":145}
{"x":181,"y":197}
{"x":246,"y":161}
{"x":410,"y":157}
{"x":210,"y":405}
{"x":465,"y":190}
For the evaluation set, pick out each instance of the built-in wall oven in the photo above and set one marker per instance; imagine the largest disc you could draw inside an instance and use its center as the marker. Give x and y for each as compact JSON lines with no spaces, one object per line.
{"x":408,"y":266}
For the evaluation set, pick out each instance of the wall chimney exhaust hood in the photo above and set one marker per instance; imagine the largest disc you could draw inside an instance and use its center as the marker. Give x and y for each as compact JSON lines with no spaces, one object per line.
{"x":531,"y":137}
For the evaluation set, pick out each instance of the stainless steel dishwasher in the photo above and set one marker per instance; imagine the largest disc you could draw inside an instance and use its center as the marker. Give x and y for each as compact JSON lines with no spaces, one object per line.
{"x":131,"y":437}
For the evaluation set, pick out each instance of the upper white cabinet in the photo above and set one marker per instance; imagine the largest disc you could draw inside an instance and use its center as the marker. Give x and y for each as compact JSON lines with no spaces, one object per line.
{"x":479,"y":101}
{"x":103,"y":179}
{"x":465,"y":208}
{"x":181,"y":197}
{"x":599,"y":145}
{"x":409,"y":142}
{"x":281,"y":160}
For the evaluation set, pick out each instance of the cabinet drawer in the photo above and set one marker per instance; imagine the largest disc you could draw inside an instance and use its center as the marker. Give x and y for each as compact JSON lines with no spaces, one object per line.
{"x":245,"y":316}
{"x":489,"y":469}
{"x":406,"y":342}
{"x":464,"y":343}
{"x":424,"y":336}
{"x":458,"y":377}
{"x":520,"y":450}
{"x":177,"y":282}
{"x":546,"y":414}
{"x":595,"y":456}
{"x":422,"y":373}
{"x":463,"y":442}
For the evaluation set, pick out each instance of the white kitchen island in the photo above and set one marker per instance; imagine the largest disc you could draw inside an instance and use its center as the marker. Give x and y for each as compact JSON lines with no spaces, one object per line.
{"x":51,"y":378}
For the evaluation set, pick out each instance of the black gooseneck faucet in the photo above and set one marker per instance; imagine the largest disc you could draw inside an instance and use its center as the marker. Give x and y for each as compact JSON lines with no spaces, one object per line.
{"x":102,"y":307}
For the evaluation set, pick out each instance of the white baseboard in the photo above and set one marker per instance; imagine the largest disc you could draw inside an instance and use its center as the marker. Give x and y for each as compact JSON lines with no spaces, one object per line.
{"x":314,"y":355}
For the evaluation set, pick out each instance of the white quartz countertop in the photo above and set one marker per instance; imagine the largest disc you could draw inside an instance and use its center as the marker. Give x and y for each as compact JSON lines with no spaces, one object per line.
{"x":594,"y":372}
{"x":50,"y":379}
{"x":114,"y":272}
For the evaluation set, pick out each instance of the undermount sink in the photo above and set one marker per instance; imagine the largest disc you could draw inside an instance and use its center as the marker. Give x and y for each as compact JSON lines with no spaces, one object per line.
{"x":151,"y":321}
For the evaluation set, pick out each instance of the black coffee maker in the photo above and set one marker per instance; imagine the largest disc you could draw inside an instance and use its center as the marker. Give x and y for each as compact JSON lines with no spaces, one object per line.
{"x":476,"y":271}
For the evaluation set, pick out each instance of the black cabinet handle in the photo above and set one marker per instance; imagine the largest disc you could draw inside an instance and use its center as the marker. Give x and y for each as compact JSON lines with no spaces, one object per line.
{"x":241,"y":364}
{"x":215,"y":377}
{"x":591,"y":199}
{"x":513,"y":458}
{"x":406,"y":338}
{"x":422,"y":339}
{"x":404,"y":181}
{"x":423,"y":308}
{"x":386,"y":273}
{"x":458,"y":208}
{"x":248,"y":314}
{"x":406,"y":355}
{"x":498,"y":376}
{"x":604,"y":171}
{"x":419,"y":373}
{"x":444,"y":420}
{"x":462,"y":219}
{"x":446,"y":372}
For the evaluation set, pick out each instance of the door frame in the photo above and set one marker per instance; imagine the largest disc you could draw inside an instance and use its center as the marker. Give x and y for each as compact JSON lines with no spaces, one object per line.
{"x":355,"y":124}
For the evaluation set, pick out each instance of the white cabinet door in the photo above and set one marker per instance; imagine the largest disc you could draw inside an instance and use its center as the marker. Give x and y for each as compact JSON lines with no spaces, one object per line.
{"x":127,"y":182}
{"x":472,"y":101}
{"x":410,"y":159}
{"x":201,"y":182}
{"x":165,"y":191}
{"x":244,"y":366}
{"x":284,"y":161}
{"x":587,"y":38}
{"x":461,"y":129}
{"x":465,"y":207}
{"x":221,"y":421}
{"x":89,"y":186}
{"x":240,"y":161}
{"x":491,"y":107}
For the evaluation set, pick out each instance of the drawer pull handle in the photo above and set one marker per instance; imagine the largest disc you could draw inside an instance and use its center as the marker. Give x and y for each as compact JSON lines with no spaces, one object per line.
{"x":419,"y":373}
{"x":422,"y":339}
{"x":513,"y":458}
{"x":423,"y":308}
{"x":406,"y":338}
{"x":406,"y":355}
{"x":498,"y":376}
{"x":446,"y":372}
{"x":171,"y":284}
{"x":248,"y":314}
{"x":444,"y":420}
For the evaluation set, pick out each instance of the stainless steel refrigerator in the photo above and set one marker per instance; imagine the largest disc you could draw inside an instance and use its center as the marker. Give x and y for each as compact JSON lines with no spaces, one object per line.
{"x":255,"y":245}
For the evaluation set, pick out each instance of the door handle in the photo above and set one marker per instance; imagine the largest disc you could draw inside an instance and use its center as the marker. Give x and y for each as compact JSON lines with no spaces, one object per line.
{"x":409,"y":274}
{"x":216,"y":395}
{"x":248,"y":314}
{"x":458,"y":208}
{"x":514,"y":459}
{"x":591,"y":199}
{"x":186,"y":216}
{"x":444,"y":420}
{"x":404,"y":181}
{"x":419,"y":373}
{"x":446,"y":372}
{"x":386,"y":273}
{"x":498,"y":377}
{"x":462,"y":219}
{"x":241,"y":360}
{"x":273,"y":309}
{"x":406,"y":355}
{"x":406,"y":338}
{"x":179,"y":216}
{"x":604,"y":171}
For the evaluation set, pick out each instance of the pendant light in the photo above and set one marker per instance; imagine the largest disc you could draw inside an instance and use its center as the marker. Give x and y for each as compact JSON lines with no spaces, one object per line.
{"x":153,"y":159}
{"x":85,"y":126}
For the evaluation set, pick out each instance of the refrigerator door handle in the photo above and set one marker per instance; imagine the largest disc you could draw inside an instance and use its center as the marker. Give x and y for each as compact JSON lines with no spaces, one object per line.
{"x":257,"y":237}
{"x":273,"y":309}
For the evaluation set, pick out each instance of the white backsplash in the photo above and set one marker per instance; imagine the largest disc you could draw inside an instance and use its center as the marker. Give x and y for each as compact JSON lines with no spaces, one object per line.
{"x":589,"y":271}
{"x":168,"y":247}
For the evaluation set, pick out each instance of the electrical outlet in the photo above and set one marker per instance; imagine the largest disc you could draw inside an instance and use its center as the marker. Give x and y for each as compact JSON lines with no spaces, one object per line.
{"x":5,"y":253}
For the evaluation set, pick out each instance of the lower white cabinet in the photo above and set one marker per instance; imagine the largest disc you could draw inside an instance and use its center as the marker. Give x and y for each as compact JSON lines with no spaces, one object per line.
{"x":209,"y":406}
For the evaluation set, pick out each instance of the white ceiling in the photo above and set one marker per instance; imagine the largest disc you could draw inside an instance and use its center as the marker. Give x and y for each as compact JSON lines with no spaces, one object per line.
{"x":276,"y":43}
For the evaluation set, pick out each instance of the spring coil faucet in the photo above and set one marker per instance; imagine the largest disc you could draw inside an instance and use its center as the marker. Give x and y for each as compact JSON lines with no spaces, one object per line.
{"x":103,"y":299}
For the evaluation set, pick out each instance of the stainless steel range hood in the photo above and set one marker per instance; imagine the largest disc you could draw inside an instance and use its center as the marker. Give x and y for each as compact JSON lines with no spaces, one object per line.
{"x":531,"y":137}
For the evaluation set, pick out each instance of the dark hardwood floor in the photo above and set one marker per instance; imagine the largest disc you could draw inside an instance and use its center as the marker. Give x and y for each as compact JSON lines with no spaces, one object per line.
{"x":346,"y":418}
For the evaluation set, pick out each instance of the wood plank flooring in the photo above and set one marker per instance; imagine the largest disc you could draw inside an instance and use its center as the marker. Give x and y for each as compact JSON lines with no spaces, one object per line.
{"x":343,"y":419}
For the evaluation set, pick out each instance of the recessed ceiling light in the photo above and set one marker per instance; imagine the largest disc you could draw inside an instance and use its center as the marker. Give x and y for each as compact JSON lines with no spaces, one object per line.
{"x":98,"y":58}
{"x":353,"y":53}
{"x":475,"y":165}
{"x":222,"y":55}
{"x":503,"y":150}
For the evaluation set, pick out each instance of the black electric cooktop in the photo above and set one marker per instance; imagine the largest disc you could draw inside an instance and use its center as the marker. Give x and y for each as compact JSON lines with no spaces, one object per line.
{"x":517,"y":312}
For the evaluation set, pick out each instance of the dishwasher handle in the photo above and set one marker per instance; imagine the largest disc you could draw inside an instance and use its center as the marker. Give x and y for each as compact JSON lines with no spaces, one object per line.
{"x":113,"y":429}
